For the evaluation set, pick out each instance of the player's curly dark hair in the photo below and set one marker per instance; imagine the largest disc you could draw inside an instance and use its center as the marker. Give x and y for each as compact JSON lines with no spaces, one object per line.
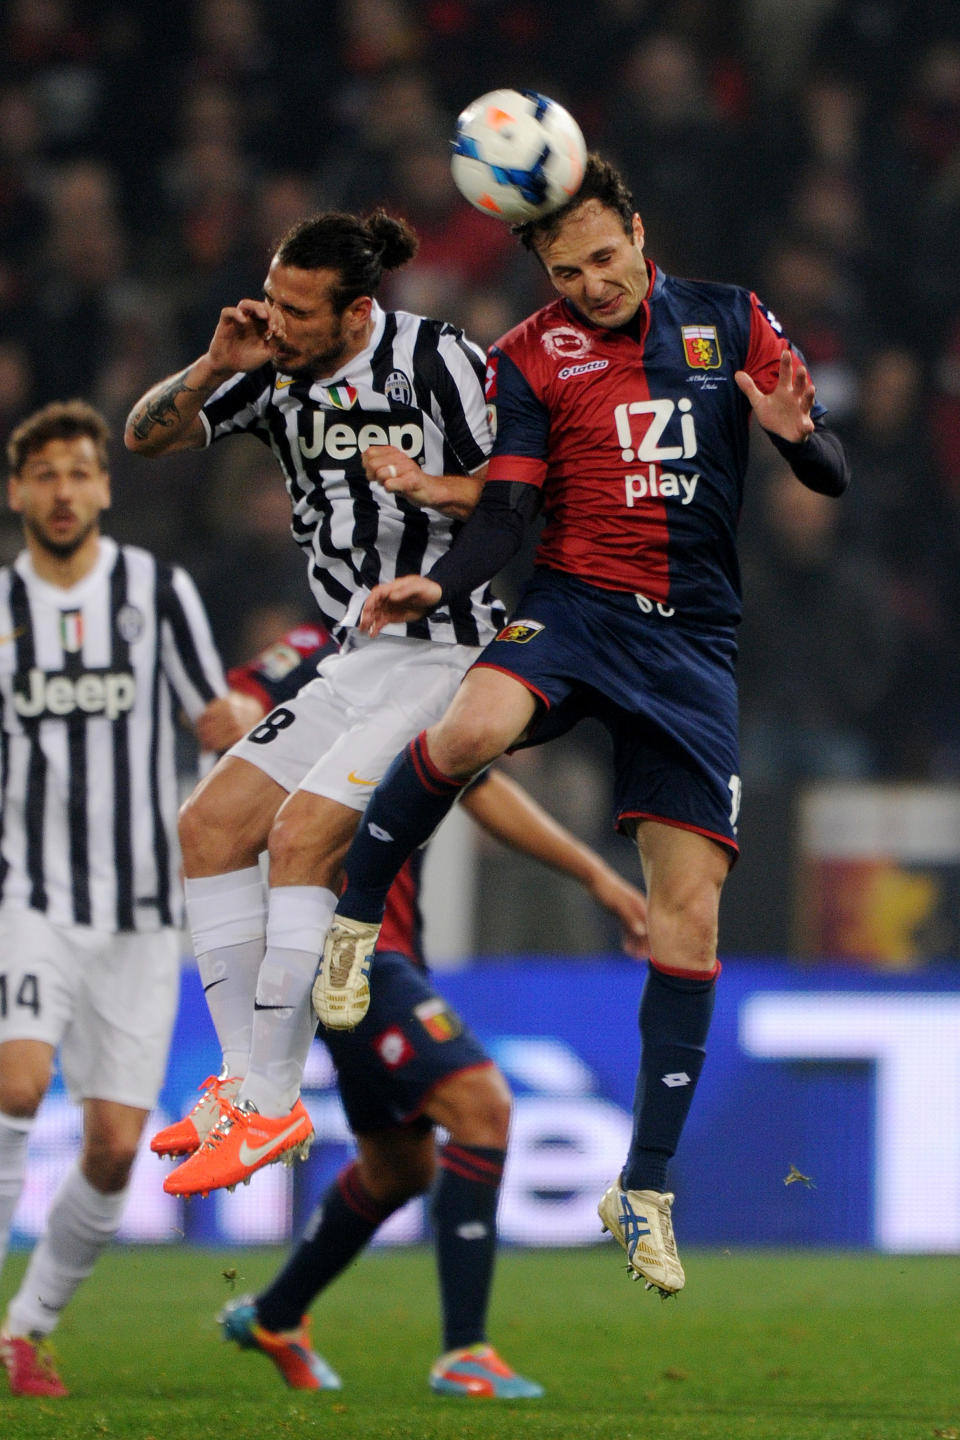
{"x":358,"y":249}
{"x":60,"y":420}
{"x":600,"y":182}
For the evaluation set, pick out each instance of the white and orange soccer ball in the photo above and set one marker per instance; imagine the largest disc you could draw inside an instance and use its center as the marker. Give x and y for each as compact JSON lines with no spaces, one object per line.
{"x":517,"y":155}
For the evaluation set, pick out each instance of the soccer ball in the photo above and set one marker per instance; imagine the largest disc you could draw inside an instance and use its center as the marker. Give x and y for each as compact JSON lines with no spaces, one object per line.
{"x":517,"y":155}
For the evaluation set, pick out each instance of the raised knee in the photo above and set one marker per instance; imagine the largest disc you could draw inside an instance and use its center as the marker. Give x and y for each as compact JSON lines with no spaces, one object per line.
{"x":475,"y":1108}
{"x":683,"y":926}
{"x":107,"y":1164}
{"x":201,"y":829}
{"x":20,"y":1096}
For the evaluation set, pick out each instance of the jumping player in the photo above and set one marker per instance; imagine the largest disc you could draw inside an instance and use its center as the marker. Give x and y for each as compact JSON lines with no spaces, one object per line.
{"x":409,"y":1066}
{"x":379,"y":424}
{"x":623,"y":411}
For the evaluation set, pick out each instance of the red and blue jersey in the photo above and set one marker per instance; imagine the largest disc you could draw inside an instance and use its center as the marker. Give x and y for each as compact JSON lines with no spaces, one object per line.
{"x":638,"y":438}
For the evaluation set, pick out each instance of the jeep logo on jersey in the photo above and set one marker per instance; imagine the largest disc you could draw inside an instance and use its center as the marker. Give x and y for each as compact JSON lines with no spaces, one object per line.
{"x":345,"y":439}
{"x":38,"y":695}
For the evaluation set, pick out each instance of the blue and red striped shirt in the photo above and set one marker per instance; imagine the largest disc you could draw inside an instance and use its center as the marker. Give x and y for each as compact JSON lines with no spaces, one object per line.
{"x":638,"y":438}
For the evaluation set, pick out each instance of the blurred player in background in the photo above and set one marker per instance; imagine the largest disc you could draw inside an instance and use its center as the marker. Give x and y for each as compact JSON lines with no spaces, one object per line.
{"x":98,"y":640}
{"x":623,"y":410}
{"x":409,"y":1066}
{"x":379,"y":423}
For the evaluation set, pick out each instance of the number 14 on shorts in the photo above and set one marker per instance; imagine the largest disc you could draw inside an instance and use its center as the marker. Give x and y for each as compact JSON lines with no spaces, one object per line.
{"x":26,"y":995}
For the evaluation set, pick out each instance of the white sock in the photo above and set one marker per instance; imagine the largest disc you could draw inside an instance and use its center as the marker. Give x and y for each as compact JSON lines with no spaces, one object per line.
{"x":81,"y":1223}
{"x":228,"y":923}
{"x":14,"y":1134}
{"x":297,"y":926}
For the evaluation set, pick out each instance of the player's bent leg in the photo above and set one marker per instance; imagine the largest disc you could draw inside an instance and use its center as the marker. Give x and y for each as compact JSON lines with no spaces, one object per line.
{"x":223,"y":828}
{"x":489,"y":711}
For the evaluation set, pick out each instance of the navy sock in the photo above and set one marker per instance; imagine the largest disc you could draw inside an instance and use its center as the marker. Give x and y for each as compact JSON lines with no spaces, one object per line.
{"x":342,"y":1224}
{"x":404,"y":810}
{"x":675,"y":1013}
{"x":465,"y":1224}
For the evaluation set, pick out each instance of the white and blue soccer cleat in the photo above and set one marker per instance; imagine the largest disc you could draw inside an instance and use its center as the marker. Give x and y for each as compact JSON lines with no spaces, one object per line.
{"x":640,"y":1221}
{"x":341,"y":991}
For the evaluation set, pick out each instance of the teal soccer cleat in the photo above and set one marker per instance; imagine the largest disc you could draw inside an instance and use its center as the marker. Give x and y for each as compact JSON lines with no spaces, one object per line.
{"x":478,"y":1371}
{"x":301,"y":1367}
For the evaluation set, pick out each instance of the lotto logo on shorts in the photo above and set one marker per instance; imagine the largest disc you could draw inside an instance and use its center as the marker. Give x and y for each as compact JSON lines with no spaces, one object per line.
{"x":520,"y":632}
{"x":393,"y":1047}
{"x":438,"y":1019}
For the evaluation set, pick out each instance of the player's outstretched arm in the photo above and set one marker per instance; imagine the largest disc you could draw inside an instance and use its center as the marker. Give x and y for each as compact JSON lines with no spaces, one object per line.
{"x":511,"y":815}
{"x":814,"y":454}
{"x":786,"y":410}
{"x":167,"y":417}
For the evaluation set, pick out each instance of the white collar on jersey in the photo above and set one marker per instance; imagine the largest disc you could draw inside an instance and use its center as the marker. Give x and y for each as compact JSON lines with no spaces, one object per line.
{"x":361,"y":360}
{"x":61,"y":595}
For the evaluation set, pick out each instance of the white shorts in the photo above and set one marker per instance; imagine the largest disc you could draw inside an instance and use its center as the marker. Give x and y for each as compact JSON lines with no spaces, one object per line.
{"x":339,"y":734}
{"x":106,"y":1002}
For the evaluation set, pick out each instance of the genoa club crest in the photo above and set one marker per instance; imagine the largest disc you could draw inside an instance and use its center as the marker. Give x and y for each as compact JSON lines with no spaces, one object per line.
{"x":520,"y":632}
{"x":701,"y":346}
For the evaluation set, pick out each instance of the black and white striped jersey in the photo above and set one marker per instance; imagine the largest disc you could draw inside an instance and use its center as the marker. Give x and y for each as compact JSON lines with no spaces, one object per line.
{"x":418,"y":386}
{"x":90,"y":680}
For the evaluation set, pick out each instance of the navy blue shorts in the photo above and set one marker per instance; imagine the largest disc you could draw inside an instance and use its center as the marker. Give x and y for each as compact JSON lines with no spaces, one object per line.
{"x":409,"y":1041}
{"x":666,"y":693}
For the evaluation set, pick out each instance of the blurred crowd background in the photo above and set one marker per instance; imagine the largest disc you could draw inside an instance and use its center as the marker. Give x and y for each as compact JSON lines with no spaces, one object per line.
{"x":151,"y":155}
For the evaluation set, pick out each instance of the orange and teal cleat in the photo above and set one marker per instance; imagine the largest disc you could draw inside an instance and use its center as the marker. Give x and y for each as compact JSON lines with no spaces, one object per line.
{"x":301,"y":1367}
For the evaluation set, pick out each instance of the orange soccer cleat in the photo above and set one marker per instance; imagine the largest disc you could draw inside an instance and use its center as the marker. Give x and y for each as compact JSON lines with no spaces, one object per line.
{"x":479,"y":1372}
{"x":241,"y":1142}
{"x":299,"y":1364}
{"x":183,"y":1137}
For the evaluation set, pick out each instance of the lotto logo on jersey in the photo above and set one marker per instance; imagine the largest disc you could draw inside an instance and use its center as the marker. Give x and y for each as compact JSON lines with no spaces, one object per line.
{"x":38,"y":695}
{"x":346,"y":439}
{"x":520,"y":632}
{"x":701,"y":346}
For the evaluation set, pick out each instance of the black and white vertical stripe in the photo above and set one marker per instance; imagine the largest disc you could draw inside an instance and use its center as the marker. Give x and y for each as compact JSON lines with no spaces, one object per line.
{"x":419,"y":386}
{"x":89,"y":799}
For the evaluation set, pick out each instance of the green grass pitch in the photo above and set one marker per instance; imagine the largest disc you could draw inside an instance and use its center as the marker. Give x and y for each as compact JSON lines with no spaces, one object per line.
{"x":761,"y":1344}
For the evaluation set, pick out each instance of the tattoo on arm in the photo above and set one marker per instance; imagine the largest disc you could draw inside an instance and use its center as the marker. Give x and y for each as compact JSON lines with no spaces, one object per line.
{"x":161,"y":407}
